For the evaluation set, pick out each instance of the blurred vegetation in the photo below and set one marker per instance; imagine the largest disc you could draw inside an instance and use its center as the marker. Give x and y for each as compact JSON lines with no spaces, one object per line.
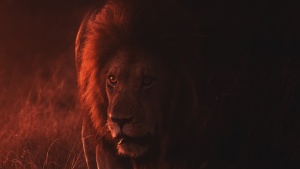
{"x":41,"y":127}
{"x":39,"y":117}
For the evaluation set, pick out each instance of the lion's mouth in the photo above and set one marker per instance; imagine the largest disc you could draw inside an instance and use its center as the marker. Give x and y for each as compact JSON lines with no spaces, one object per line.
{"x":124,"y":139}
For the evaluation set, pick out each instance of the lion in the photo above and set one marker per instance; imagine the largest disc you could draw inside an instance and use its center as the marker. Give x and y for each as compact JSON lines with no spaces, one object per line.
{"x":136,"y":87}
{"x":158,"y":93}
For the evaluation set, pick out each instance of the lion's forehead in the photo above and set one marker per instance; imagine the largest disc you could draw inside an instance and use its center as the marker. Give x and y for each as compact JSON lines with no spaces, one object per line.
{"x":134,"y":64}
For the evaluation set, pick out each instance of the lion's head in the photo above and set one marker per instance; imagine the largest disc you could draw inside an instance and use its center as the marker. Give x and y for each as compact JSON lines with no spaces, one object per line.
{"x":133,"y":79}
{"x":137,"y":87}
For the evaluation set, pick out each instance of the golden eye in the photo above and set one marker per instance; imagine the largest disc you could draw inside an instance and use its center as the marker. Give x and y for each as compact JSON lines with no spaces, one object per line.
{"x":112,"y":79}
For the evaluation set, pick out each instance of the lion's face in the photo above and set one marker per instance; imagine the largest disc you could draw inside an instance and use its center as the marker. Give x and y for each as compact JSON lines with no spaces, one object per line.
{"x":136,"y":88}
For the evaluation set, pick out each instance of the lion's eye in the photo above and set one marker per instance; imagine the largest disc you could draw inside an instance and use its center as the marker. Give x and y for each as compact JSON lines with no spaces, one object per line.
{"x":147,"y":81}
{"x":112,"y":79}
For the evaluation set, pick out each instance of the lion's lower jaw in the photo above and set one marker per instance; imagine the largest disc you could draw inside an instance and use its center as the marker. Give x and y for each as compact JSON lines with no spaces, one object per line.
{"x":132,"y":150}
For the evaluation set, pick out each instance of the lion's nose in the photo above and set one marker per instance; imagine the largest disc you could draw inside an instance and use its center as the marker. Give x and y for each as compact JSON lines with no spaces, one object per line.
{"x":121,"y":121}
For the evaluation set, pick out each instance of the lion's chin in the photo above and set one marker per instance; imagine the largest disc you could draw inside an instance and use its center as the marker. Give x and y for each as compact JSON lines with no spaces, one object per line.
{"x":133,"y":147}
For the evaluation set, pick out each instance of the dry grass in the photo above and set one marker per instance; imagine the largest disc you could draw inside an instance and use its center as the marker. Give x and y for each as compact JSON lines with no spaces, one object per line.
{"x":40,"y":122}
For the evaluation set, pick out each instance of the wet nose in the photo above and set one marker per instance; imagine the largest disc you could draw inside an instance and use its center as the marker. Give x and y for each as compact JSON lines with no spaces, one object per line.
{"x":121,"y":121}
